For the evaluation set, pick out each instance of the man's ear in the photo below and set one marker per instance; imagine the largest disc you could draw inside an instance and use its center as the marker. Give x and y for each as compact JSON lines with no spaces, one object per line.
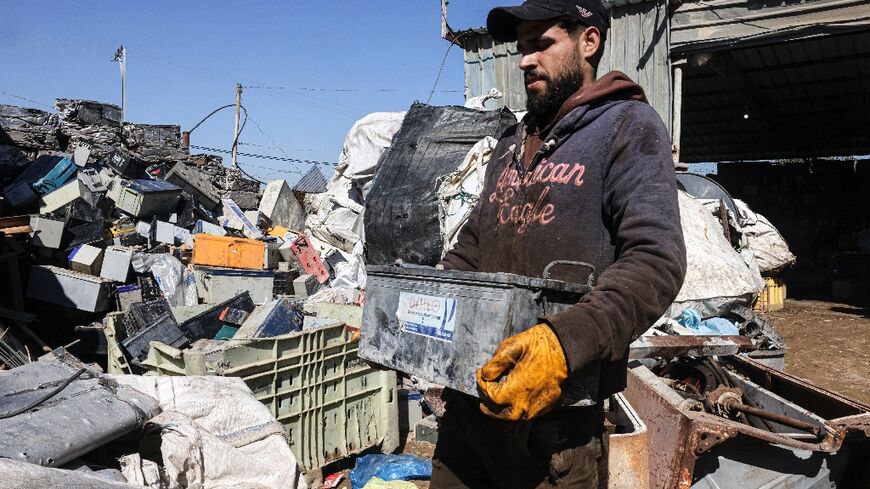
{"x":590,"y":42}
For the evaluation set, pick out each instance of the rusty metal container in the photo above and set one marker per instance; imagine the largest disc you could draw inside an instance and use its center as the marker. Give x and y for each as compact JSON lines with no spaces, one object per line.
{"x":691,"y":448}
{"x":228,"y":252}
{"x":628,"y":447}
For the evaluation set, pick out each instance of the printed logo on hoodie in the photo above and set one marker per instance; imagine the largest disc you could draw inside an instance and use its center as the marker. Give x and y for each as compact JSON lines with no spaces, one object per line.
{"x":510,"y":193}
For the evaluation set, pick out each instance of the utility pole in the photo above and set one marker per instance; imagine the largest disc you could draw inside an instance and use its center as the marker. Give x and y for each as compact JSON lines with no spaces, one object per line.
{"x":121,"y":57}
{"x":236,"y":130}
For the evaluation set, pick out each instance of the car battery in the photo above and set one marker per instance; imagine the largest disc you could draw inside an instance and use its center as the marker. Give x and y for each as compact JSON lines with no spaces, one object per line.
{"x":69,"y":288}
{"x":215,"y":285}
{"x":194,"y":183}
{"x":443,"y":325}
{"x":145,"y":198}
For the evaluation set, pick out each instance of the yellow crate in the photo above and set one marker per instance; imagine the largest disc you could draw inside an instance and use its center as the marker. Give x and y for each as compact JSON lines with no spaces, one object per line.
{"x":772,"y":298}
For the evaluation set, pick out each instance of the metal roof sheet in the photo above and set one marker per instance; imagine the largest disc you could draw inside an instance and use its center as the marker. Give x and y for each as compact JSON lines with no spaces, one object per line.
{"x":312,"y":182}
{"x":701,"y":25}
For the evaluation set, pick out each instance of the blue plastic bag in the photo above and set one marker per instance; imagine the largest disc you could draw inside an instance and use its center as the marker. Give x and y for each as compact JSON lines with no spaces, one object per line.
{"x":389,"y":468}
{"x":708,"y":327}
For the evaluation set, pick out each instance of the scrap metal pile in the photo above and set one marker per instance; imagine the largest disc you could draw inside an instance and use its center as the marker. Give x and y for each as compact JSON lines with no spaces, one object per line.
{"x":189,"y":283}
{"x":143,"y":259}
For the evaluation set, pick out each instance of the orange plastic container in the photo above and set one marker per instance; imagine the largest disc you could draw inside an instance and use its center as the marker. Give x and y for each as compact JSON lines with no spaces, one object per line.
{"x":227,"y":251}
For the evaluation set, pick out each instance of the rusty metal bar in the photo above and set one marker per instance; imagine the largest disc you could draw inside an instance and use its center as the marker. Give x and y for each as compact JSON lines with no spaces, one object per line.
{"x":775,"y":417}
{"x":695,"y":346}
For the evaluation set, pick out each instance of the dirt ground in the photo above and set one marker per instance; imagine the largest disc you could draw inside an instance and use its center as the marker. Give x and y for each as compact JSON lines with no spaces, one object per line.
{"x":827,"y":343}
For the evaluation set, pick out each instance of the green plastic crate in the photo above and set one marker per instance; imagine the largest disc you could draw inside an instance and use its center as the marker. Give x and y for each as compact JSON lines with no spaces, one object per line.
{"x":331,"y":403}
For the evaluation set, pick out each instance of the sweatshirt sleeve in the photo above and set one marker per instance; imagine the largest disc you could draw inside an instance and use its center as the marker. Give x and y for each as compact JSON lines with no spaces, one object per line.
{"x":640,"y":203}
{"x":465,"y":254}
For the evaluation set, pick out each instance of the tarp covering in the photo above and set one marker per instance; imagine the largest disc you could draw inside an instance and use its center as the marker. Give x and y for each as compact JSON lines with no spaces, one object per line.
{"x":401,"y":220}
{"x":23,"y":475}
{"x":334,"y":214}
{"x":235,"y":442}
{"x":718,"y":277}
{"x":769,"y":247}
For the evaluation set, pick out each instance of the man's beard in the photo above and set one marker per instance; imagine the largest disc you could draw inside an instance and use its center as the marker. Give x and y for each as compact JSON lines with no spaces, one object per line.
{"x":545,"y":104}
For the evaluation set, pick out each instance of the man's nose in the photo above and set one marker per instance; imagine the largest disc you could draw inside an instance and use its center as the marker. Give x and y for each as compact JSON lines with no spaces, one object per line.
{"x":528,"y":61}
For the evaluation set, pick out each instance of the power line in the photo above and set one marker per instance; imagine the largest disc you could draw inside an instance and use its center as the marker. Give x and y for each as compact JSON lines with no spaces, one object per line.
{"x":19,"y":97}
{"x":267,"y":157}
{"x":343,"y":90}
{"x":257,"y":125}
{"x":243,"y":143}
{"x":296,"y":99}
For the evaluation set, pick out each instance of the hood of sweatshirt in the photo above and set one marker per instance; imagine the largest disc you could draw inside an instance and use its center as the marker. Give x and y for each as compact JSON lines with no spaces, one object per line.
{"x":594,"y":100}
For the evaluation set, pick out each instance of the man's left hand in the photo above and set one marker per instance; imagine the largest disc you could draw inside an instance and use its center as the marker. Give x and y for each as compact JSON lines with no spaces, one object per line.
{"x":531,"y":366}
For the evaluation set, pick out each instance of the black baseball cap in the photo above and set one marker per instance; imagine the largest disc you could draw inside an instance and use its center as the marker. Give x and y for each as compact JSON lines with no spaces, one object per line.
{"x":502,"y":21}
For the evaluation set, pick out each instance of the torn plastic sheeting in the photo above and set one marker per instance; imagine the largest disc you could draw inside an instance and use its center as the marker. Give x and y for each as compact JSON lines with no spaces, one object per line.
{"x":336,"y":216}
{"x":215,"y":433}
{"x":479,"y":102}
{"x":337,"y":212}
{"x":389,"y":467}
{"x":87,"y":413}
{"x":401,"y":217}
{"x":459,"y":191}
{"x":174,"y":279}
{"x":352,"y":273}
{"x":718,"y":278}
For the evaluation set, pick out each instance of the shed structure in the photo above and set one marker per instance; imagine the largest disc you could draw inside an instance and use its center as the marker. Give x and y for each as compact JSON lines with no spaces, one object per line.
{"x":734,"y":80}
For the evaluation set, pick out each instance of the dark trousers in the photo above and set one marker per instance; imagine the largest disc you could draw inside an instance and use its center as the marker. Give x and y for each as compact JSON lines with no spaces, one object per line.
{"x":560,"y":449}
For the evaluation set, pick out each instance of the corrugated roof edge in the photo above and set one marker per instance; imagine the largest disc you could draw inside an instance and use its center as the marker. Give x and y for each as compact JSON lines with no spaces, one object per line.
{"x":608,"y":4}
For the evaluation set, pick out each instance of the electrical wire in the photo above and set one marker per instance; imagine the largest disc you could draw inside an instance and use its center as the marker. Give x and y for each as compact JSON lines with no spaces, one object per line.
{"x":266,"y":157}
{"x":19,"y":97}
{"x":215,"y":111}
{"x":255,"y":145}
{"x":44,"y":398}
{"x":263,"y":132}
{"x":241,"y":128}
{"x":342,"y":90}
{"x":443,"y":63}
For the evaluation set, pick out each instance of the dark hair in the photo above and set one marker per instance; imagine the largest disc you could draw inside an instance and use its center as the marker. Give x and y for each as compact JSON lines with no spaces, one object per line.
{"x":576,"y":27}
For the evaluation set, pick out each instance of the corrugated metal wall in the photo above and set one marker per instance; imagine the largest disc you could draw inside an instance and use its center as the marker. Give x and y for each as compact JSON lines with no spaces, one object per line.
{"x":637,"y":45}
{"x":493,"y":65}
{"x":724,"y":23}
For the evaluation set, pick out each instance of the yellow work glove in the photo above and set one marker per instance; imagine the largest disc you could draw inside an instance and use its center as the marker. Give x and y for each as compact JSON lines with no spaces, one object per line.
{"x":530,"y":365}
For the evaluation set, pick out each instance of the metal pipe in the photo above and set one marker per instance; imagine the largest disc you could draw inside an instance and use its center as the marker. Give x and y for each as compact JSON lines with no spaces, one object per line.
{"x":775,"y":417}
{"x":730,"y":383}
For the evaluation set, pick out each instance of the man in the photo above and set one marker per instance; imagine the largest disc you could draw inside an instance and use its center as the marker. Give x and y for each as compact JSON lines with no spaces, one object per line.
{"x":586,"y":176}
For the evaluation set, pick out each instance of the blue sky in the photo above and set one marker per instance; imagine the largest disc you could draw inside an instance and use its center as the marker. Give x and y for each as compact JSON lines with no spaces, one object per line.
{"x":184,"y":59}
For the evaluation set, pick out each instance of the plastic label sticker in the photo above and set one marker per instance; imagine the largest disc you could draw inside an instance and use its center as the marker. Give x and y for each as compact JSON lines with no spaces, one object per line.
{"x":427,"y":315}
